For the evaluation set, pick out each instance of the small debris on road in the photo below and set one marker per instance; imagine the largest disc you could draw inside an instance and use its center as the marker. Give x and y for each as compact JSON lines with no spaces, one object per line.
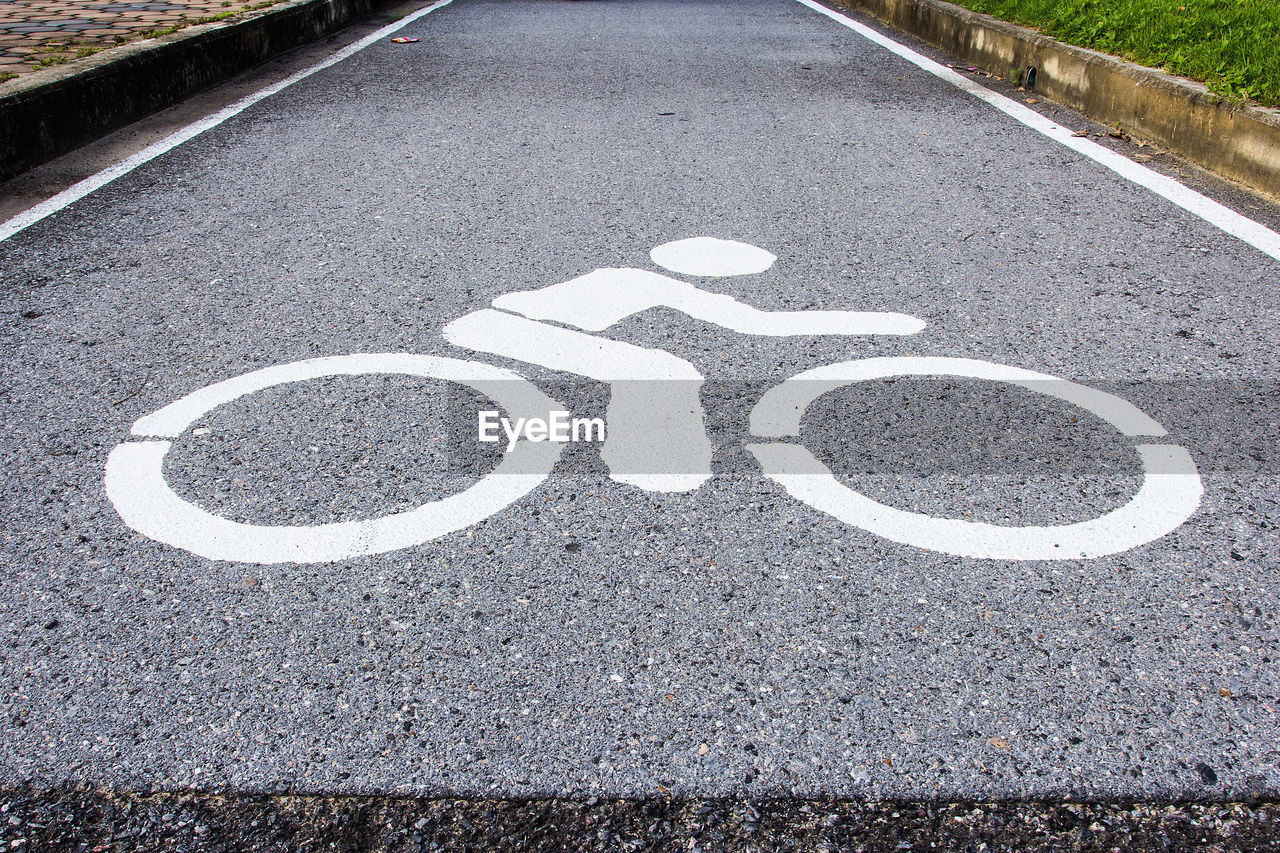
{"x":403,"y":40}
{"x":1206,"y":774}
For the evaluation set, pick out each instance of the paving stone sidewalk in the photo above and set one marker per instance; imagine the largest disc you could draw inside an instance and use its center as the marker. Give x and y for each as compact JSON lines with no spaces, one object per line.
{"x":40,"y":33}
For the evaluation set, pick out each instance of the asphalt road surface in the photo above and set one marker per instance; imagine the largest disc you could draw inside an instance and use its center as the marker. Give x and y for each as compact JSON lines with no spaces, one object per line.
{"x":592,"y":636}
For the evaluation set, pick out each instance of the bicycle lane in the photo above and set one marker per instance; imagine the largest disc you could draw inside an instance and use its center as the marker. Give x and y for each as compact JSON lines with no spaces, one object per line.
{"x":593,"y":635}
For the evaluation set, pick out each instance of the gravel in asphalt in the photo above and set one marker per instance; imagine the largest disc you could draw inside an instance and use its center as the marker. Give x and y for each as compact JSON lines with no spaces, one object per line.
{"x":594,"y":639}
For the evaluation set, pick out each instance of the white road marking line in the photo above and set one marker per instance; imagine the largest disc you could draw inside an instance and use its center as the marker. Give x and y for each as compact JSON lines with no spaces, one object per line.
{"x":599,"y":299}
{"x":710,"y":256}
{"x":780,"y":409}
{"x":78,"y":191}
{"x":657,"y":438}
{"x":1259,"y":236}
{"x":136,"y":485}
{"x":1169,"y":495}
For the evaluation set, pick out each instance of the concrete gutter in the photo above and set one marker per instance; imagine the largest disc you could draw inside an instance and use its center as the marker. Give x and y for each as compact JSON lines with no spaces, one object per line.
{"x":50,"y":112}
{"x":1237,"y":141}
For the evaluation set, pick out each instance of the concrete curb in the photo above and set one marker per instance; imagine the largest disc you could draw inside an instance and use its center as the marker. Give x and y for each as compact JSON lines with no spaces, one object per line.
{"x":48,"y":113}
{"x":1238,"y":141}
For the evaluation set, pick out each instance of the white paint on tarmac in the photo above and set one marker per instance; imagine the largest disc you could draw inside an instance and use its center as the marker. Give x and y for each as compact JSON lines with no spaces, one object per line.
{"x":1169,"y":495}
{"x":779,"y":411}
{"x":137,"y":488}
{"x":92,"y":183}
{"x":710,"y":256}
{"x":1259,"y":236}
{"x":599,"y":299}
{"x":657,"y":438}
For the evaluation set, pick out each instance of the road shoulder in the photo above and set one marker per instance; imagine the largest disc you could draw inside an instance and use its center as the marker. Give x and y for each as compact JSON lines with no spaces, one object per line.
{"x":1238,"y":141}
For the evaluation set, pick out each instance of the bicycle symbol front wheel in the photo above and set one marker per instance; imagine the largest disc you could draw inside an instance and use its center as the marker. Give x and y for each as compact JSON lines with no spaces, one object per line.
{"x":136,"y":486}
{"x":1169,"y":495}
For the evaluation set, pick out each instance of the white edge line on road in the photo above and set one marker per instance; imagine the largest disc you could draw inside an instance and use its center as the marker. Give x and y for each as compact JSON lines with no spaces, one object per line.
{"x":79,"y":190}
{"x":1259,"y":236}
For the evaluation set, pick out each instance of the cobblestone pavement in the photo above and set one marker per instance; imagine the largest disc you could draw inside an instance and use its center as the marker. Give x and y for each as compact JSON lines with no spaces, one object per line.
{"x":41,"y":33}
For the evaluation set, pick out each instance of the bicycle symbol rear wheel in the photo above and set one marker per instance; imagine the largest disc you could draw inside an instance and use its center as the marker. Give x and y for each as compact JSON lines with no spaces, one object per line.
{"x":136,"y":485}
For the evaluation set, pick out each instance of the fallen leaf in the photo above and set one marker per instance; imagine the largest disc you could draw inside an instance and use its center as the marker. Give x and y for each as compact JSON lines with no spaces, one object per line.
{"x":1033,"y":100}
{"x":999,"y":743}
{"x":1081,"y":133}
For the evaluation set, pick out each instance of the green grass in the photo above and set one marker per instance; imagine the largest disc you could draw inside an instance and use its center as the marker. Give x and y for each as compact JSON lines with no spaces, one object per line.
{"x":6,"y":75}
{"x":1233,"y":46}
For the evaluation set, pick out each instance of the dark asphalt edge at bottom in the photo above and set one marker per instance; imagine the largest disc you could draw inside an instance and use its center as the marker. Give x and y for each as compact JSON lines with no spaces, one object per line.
{"x":92,"y":820}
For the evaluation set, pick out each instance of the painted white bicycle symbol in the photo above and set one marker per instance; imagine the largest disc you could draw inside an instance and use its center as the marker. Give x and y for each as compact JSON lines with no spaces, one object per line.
{"x":655,"y":424}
